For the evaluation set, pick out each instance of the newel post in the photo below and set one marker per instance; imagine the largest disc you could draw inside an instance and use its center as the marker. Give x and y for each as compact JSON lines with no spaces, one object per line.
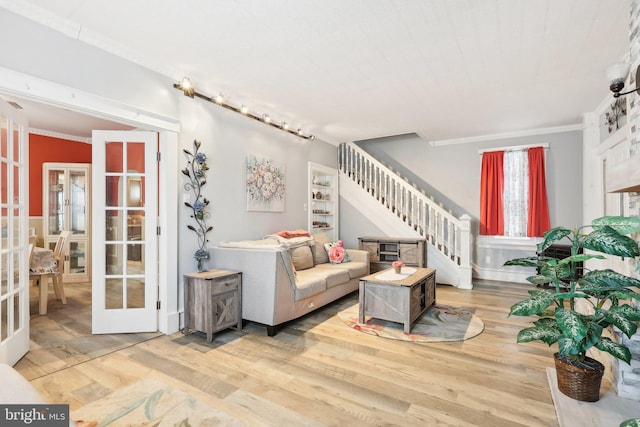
{"x":465,"y":253}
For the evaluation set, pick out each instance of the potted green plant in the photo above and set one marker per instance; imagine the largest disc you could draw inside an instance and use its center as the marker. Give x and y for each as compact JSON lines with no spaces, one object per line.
{"x":606,"y":291}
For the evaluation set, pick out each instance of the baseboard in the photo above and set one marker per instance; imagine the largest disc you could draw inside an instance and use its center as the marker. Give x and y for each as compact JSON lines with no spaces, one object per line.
{"x":501,"y":275}
{"x":172,"y":323}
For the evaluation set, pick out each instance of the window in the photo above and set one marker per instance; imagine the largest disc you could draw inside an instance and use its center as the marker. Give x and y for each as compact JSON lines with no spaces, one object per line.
{"x":513,"y":193}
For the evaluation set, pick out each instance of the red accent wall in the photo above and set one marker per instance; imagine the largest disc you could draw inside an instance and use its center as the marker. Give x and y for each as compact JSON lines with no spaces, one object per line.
{"x":47,"y":149}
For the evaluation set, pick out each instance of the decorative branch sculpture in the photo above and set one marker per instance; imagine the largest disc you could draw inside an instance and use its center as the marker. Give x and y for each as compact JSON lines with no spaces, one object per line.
{"x":195,"y":172}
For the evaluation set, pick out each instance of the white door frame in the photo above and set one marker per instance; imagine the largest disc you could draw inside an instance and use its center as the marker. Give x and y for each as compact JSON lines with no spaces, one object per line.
{"x":36,"y":89}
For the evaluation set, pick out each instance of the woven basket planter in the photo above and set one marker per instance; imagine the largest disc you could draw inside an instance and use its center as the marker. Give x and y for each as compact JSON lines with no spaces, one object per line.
{"x":579,"y":383}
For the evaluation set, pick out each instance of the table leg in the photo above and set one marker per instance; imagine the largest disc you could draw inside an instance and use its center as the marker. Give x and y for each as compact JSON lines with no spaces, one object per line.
{"x":361,"y":302}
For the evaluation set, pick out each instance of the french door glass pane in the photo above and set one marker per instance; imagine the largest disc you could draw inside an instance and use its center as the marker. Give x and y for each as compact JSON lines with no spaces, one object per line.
{"x":135,"y":157}
{"x":114,"y":225}
{"x":114,"y":255}
{"x":113,"y":159}
{"x":17,"y":324}
{"x":4,"y":125}
{"x":113,"y":294}
{"x":16,"y":145}
{"x":4,"y":320}
{"x":114,"y":192}
{"x":4,"y":179}
{"x":135,"y":293}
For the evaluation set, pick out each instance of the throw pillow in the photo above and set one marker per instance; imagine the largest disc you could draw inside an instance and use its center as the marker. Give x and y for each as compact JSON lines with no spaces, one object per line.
{"x":302,"y":258}
{"x":319,"y":252}
{"x":336,"y":252}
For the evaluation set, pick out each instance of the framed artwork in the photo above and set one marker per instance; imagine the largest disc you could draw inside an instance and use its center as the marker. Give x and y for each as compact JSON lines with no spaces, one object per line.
{"x":265,"y":185}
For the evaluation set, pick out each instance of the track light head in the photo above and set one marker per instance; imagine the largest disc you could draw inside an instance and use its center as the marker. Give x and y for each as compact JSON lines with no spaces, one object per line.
{"x":186,"y":87}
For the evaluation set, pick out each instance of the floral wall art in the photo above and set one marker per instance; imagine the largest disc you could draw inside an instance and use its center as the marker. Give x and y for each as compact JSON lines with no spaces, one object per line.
{"x":265,"y":185}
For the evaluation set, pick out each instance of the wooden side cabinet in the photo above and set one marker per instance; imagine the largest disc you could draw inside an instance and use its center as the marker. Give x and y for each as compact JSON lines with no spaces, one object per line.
{"x":212,"y":301}
{"x":384,"y":250}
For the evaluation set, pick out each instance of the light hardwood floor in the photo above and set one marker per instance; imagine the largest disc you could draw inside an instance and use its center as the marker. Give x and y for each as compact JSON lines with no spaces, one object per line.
{"x":317,"y":371}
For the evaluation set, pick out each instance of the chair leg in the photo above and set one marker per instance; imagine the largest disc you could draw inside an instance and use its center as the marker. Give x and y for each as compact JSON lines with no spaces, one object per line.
{"x":44,"y":294}
{"x":58,"y":287}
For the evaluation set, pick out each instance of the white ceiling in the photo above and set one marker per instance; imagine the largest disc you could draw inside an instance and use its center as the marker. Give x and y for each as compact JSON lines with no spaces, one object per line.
{"x":349,"y":70}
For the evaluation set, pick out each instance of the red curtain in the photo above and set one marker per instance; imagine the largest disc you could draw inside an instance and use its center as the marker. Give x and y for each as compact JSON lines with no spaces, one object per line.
{"x":491,"y":187}
{"x":538,"y":221}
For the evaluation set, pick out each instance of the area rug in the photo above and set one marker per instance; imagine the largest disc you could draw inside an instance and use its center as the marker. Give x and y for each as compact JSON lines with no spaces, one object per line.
{"x":149,"y":402}
{"x":439,"y":323}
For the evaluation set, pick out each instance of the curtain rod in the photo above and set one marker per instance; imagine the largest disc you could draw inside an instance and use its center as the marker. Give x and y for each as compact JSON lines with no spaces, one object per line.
{"x":544,"y":145}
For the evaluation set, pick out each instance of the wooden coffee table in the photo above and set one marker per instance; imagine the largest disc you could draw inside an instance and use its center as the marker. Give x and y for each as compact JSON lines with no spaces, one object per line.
{"x":401,"y":301}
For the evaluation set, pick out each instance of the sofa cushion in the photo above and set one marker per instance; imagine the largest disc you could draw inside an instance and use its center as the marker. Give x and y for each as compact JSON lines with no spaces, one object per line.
{"x":355,"y":269}
{"x":335,"y":276}
{"x":302,"y":258}
{"x":336,"y":252}
{"x":309,"y":282}
{"x":319,"y":252}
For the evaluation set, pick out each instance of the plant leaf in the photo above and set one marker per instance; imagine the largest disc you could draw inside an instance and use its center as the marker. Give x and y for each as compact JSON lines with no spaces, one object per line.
{"x":580,"y":258}
{"x":634,"y":422}
{"x":621,"y":224}
{"x":610,"y":278}
{"x":538,"y":279}
{"x":554,"y":270}
{"x":609,"y":241}
{"x":616,"y":350}
{"x":191,"y":227}
{"x":523,"y":262}
{"x":547,"y":334}
{"x":538,"y":302}
{"x":555,"y":234}
{"x":547,"y":321}
{"x":625,"y":312}
{"x":572,"y":324}
{"x":568,"y":346}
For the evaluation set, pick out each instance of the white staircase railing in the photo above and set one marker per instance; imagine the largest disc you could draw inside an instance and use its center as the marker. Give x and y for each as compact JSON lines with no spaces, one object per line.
{"x":451,"y":236}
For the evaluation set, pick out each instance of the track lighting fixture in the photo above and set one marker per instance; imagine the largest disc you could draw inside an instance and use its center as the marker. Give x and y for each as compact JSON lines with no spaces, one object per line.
{"x":188,"y":89}
{"x":617,"y":74}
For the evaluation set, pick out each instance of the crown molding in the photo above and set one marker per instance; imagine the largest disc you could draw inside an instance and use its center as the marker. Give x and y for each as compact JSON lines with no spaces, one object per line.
{"x":506,"y":135}
{"x":59,"y":135}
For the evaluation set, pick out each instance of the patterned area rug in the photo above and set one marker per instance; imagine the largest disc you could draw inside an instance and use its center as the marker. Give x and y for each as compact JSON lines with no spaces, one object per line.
{"x":149,"y":402}
{"x":439,"y":323}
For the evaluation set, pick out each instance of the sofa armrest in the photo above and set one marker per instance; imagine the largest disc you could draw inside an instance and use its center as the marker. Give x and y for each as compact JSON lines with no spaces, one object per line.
{"x":358,"y":255}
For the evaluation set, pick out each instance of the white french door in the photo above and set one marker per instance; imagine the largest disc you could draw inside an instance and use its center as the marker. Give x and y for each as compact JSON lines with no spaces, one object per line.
{"x":125,"y":212}
{"x":14,"y":241}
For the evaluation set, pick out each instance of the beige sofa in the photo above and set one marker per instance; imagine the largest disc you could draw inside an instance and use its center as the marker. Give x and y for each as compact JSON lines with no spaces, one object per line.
{"x":16,"y":390}
{"x":279,"y":280}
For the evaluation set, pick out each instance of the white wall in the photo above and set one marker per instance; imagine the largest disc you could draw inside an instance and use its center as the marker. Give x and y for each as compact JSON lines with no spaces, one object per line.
{"x":227,"y":138}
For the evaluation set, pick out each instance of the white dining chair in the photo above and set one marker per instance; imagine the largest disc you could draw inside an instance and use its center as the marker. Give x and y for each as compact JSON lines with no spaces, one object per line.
{"x":42,"y":279}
